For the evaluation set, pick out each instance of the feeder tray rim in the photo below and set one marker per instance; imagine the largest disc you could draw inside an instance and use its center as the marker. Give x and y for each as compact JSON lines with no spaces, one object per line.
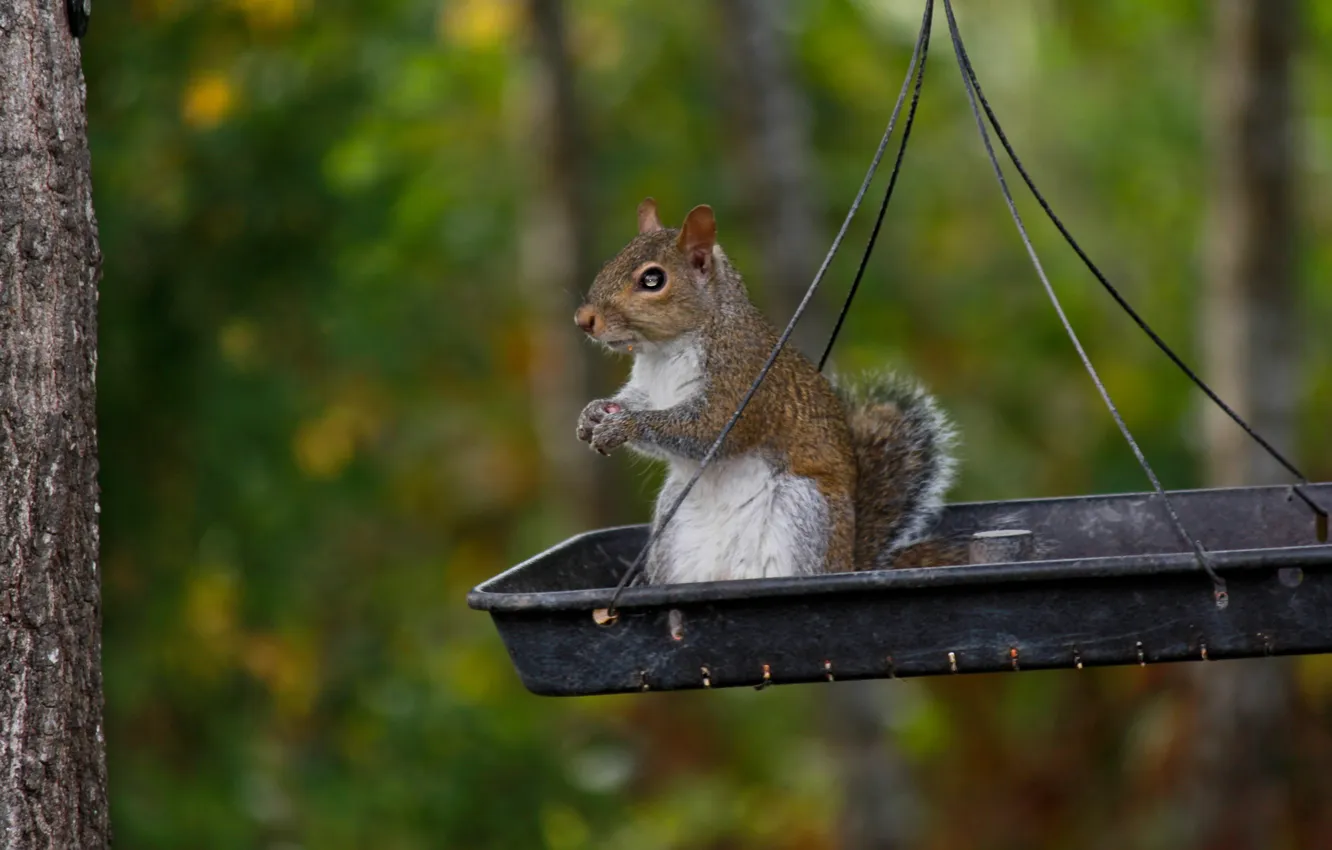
{"x":484,"y":598}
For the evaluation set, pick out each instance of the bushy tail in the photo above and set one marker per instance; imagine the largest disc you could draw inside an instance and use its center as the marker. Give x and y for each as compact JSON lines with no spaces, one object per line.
{"x":904,"y":459}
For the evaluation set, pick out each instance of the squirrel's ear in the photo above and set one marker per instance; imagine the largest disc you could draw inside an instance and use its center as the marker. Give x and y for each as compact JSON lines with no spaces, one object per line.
{"x":647,"y":216}
{"x":697,"y":236}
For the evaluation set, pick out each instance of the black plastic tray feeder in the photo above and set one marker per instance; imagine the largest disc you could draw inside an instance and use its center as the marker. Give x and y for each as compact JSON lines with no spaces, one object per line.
{"x":1053,"y":583}
{"x":1114,"y":586}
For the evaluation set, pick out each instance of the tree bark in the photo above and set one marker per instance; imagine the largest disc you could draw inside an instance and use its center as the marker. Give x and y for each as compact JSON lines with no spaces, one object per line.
{"x":880,"y":804}
{"x":1249,"y":329}
{"x":556,"y":268}
{"x":52,"y":761}
{"x":1240,"y":785}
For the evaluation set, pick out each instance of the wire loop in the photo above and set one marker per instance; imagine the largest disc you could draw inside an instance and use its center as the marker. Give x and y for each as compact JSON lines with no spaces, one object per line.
{"x":978,"y":102}
{"x":968,"y":76}
{"x":883,"y":207}
{"x":1298,"y":489}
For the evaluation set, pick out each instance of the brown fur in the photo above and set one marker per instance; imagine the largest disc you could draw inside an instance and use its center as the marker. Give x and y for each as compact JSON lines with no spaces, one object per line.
{"x":903,"y":454}
{"x":930,"y":553}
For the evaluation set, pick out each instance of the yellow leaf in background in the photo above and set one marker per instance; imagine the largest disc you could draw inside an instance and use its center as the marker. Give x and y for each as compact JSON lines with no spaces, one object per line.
{"x":564,"y":828}
{"x":269,"y":14}
{"x":239,"y":341}
{"x":471,"y":672}
{"x":1314,"y":674}
{"x":209,"y":98}
{"x":598,"y":40}
{"x":470,"y":563}
{"x":209,"y":614}
{"x":287,"y":667}
{"x":148,"y":9}
{"x":478,"y":24}
{"x":210,"y":605}
{"x":325,"y":445}
{"x":1127,"y":384}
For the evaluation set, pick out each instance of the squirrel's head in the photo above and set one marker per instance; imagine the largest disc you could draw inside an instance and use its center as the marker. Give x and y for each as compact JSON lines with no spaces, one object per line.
{"x":661,"y":285}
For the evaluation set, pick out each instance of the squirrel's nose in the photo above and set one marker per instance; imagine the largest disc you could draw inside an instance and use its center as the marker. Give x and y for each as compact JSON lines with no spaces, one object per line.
{"x":588,"y":319}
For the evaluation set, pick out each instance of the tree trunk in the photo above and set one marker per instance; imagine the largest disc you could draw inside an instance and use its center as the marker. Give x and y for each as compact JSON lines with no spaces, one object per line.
{"x":880,"y":805}
{"x":556,"y":268}
{"x":1249,"y":325}
{"x":773,"y":160}
{"x":52,"y":761}
{"x":1241,"y":787}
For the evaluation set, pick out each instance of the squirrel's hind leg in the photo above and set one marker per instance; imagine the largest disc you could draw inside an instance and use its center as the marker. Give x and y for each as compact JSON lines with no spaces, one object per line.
{"x":841,"y":531}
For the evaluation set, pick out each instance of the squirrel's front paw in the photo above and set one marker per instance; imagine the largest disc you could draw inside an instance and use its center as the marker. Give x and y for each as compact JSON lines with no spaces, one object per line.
{"x":611,"y":432}
{"x":592,"y":416}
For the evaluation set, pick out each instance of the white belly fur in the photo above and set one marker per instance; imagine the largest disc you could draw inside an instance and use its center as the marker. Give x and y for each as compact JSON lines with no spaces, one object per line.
{"x":744,"y":519}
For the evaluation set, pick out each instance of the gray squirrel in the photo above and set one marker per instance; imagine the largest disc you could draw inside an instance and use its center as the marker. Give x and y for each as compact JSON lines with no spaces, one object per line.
{"x":816,"y":476}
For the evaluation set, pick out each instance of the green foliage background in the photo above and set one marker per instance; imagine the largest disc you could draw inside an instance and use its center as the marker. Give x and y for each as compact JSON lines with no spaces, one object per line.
{"x":316,"y":433}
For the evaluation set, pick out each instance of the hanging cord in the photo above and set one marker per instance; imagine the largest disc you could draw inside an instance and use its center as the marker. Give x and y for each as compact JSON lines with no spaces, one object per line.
{"x":883,"y":208}
{"x":1219,"y":585}
{"x":916,"y":56}
{"x":1298,"y":489}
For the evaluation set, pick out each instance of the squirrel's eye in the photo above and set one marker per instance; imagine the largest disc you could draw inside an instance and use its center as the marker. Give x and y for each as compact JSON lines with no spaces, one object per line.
{"x":652,"y":279}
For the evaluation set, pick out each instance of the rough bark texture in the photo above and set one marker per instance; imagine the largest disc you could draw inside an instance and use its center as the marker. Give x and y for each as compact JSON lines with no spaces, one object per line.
{"x":52,"y":763}
{"x":556,"y":268}
{"x":1240,"y":791}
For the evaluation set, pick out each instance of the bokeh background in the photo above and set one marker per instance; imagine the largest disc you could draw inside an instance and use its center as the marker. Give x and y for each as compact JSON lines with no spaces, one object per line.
{"x":338,"y":374}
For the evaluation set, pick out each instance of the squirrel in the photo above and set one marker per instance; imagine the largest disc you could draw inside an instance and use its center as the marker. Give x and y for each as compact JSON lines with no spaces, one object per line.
{"x":816,"y":476}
